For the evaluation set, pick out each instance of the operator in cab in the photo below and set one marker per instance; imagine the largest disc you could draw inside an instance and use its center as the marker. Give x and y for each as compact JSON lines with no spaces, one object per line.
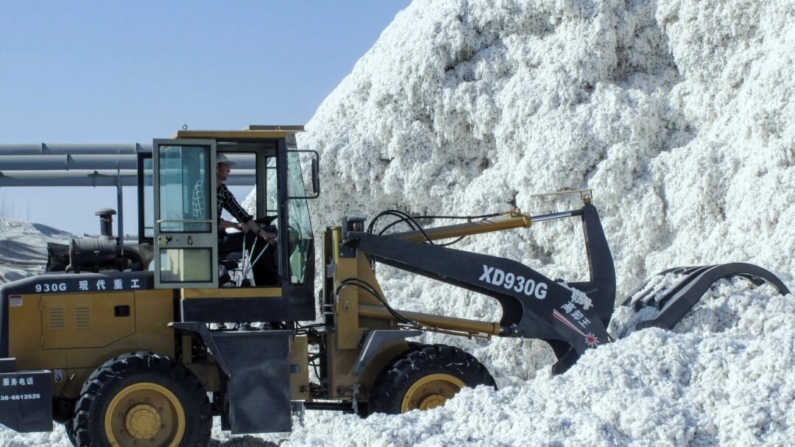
{"x":265,"y":269}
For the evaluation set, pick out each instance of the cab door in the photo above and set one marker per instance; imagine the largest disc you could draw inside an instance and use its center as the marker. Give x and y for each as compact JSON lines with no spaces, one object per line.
{"x":185,"y":228}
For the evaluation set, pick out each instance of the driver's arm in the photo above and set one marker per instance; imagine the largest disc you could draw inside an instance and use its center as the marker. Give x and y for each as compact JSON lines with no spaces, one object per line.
{"x":228,"y":224}
{"x":247,"y":223}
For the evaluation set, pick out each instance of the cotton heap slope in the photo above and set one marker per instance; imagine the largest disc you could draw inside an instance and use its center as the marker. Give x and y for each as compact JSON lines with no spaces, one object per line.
{"x":679,"y":116}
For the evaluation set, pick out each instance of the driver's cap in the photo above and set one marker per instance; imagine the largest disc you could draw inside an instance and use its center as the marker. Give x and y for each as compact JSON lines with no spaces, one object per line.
{"x":221,"y":158}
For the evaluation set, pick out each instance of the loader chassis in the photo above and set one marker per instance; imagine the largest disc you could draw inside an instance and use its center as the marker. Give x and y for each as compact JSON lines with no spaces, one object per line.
{"x":124,"y":354}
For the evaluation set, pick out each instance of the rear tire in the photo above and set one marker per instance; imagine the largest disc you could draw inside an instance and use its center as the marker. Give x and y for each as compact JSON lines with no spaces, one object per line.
{"x":425,"y":377}
{"x":70,"y":433}
{"x":139,"y":399}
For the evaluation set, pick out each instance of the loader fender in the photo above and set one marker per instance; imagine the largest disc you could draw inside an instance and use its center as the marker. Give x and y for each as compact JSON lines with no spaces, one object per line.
{"x":373,"y":341}
{"x":256,"y":371}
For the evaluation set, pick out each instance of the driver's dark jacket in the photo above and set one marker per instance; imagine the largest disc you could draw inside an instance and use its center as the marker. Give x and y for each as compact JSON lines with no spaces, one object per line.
{"x":228,"y":202}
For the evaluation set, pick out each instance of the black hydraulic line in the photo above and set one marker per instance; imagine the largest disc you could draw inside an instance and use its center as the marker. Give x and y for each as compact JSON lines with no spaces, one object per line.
{"x":369,"y":288}
{"x":399,"y":221}
{"x":405,"y":218}
{"x":469,"y":218}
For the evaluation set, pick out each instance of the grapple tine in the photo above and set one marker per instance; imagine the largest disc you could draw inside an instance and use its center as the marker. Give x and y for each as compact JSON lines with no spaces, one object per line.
{"x":657,"y":290}
{"x":677,"y":301}
{"x":690,"y":275}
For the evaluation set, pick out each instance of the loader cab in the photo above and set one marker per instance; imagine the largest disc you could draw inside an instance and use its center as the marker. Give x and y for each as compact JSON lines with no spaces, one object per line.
{"x":179,"y":218}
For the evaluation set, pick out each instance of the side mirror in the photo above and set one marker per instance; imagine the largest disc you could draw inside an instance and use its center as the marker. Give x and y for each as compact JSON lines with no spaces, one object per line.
{"x":315,"y":177}
{"x":315,"y":173}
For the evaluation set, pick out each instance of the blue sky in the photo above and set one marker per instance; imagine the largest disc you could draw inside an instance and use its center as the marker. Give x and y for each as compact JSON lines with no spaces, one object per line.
{"x":132,"y":71}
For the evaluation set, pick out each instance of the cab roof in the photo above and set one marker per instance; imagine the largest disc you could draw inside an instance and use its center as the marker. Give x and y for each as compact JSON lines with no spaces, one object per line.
{"x":250,"y":132}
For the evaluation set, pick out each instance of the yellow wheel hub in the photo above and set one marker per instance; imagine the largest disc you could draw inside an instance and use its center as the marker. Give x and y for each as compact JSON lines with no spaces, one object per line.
{"x":145,"y":412}
{"x":432,"y":401}
{"x":431,"y":391}
{"x":143,"y":421}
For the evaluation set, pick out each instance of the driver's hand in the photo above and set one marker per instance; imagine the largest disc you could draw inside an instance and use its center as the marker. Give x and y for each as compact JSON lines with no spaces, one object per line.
{"x":242,"y":227}
{"x":270,"y":237}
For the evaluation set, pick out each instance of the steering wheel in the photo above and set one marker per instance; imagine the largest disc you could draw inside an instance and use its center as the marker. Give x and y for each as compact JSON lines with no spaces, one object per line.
{"x":263,"y":223}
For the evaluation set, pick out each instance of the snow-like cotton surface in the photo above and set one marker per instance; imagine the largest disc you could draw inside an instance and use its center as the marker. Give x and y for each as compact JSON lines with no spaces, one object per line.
{"x":679,"y":114}
{"x":23,"y":248}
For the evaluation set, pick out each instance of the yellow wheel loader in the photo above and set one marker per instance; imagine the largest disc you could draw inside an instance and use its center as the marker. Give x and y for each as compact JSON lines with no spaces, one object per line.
{"x":142,"y":344}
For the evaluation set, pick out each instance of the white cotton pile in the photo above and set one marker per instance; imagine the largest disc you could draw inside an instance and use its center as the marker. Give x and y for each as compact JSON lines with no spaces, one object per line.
{"x":23,"y":248}
{"x":707,"y":383}
{"x":679,"y":115}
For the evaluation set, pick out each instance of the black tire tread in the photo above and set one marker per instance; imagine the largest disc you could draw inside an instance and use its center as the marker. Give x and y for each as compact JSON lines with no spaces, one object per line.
{"x":419,"y":361}
{"x":124,"y":365}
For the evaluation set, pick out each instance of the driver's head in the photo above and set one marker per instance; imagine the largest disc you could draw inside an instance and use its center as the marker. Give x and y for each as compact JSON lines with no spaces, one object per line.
{"x":222,"y":167}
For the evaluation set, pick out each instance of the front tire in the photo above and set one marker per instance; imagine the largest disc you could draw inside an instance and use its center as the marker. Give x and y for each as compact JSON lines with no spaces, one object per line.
{"x":425,"y":377}
{"x":139,"y":399}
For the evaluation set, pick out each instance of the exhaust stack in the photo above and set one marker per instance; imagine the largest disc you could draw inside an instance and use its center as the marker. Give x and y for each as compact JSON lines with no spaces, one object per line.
{"x":106,"y":221}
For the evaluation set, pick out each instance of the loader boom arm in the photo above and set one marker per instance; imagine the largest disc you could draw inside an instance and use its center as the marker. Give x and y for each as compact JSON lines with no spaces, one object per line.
{"x":570,"y":317}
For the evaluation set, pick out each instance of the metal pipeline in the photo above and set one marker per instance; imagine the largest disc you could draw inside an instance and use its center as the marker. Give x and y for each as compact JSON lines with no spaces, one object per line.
{"x":67,"y":162}
{"x":96,"y":178}
{"x":40,"y":149}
